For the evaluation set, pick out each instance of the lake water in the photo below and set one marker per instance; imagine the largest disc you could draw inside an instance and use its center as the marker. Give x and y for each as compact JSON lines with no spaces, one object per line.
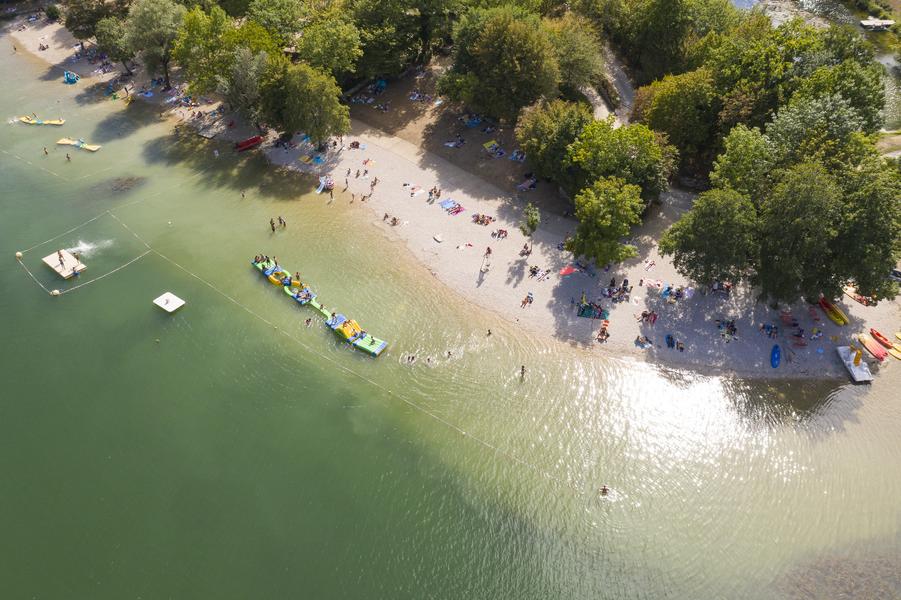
{"x":228,"y":451}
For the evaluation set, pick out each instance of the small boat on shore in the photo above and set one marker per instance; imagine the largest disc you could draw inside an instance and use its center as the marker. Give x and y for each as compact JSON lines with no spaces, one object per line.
{"x":834,"y":313}
{"x":251,"y":142}
{"x":857,"y":368}
{"x":851,"y":292}
{"x":775,"y":356}
{"x":79,"y":144}
{"x":29,"y":120}
{"x":880,"y":338}
{"x":872,"y":347}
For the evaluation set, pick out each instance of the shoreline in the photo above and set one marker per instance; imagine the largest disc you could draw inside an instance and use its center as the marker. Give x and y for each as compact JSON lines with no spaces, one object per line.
{"x":457,"y":260}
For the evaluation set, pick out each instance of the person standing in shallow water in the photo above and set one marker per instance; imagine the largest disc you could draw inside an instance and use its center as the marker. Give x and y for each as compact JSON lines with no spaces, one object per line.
{"x":522,"y":372}
{"x":272,"y":225}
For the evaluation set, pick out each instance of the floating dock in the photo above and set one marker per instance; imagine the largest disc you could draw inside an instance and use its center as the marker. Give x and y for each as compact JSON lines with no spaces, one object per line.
{"x":68,"y":268}
{"x":169,"y":302}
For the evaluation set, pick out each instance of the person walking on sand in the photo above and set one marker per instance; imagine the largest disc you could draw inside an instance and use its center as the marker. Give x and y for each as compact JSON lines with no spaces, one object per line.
{"x":331,"y":194}
{"x":346,"y":185}
{"x":348,"y":173}
{"x":358,"y":173}
{"x":352,"y":197}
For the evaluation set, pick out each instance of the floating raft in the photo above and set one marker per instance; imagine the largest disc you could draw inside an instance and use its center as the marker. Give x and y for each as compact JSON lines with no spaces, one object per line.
{"x":70,"y":267}
{"x":28,"y":120}
{"x":78,"y":144}
{"x":169,"y":302}
{"x":346,"y":329}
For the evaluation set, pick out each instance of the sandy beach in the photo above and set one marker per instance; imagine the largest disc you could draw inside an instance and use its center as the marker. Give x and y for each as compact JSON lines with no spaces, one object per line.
{"x":453,"y":247}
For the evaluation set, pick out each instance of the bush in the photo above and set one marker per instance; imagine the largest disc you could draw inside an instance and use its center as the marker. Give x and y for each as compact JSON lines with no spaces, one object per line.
{"x":52,"y":12}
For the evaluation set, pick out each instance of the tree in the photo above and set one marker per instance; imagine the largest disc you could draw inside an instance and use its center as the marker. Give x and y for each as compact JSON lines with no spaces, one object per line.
{"x":797,"y":231}
{"x":111,"y":40}
{"x":82,"y":17}
{"x":52,"y":11}
{"x":662,"y":28}
{"x":684,"y":107}
{"x":503,"y":61}
{"x":545,"y":130}
{"x":389,"y":35}
{"x":199,"y":48}
{"x":332,"y":46}
{"x":531,"y":221}
{"x":151,"y":29}
{"x":241,"y":84}
{"x":606,"y":211}
{"x":868,"y":245}
{"x":578,"y":51}
{"x":281,"y":18}
{"x":300,"y":98}
{"x":745,"y":163}
{"x":716,"y":240}
{"x":633,"y":152}
{"x":810,"y":129}
{"x":860,"y":85}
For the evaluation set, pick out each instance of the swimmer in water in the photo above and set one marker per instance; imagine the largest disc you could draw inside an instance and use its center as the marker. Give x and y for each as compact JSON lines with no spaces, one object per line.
{"x":604,"y":490}
{"x":522,"y":372}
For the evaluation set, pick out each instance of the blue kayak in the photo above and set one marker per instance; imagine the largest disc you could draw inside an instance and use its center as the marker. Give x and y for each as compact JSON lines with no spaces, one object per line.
{"x":775,"y":356}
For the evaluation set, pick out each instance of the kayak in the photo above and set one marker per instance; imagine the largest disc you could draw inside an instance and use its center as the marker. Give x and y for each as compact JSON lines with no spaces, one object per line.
{"x":872,"y":347}
{"x":775,"y":356}
{"x":880,"y":338}
{"x":79,"y":144}
{"x":851,"y":292}
{"x":249,"y":143}
{"x":833,"y":312}
{"x":33,"y":121}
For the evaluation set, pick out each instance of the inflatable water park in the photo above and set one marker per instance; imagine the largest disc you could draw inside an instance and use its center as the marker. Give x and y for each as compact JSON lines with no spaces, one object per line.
{"x":347,"y":330}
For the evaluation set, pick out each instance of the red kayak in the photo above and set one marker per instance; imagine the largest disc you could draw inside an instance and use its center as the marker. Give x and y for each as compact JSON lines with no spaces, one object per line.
{"x":249,"y":143}
{"x":881,"y":339}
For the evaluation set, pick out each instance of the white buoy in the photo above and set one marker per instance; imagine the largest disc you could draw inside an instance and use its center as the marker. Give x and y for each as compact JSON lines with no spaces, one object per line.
{"x":54,"y":293}
{"x":18,"y":256}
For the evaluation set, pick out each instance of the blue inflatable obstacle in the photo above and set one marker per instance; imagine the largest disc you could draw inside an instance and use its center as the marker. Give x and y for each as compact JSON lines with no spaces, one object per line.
{"x":70,"y":78}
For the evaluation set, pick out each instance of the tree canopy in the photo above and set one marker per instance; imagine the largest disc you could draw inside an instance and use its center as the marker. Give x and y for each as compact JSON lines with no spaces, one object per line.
{"x":151,"y":30}
{"x":633,"y":153}
{"x":606,"y":211}
{"x":111,"y":39}
{"x":716,"y":240}
{"x":300,"y":98}
{"x":503,"y":61}
{"x":544,"y":132}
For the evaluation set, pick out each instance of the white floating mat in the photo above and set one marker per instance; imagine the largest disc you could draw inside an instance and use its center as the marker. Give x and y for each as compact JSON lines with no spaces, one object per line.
{"x":169,"y":302}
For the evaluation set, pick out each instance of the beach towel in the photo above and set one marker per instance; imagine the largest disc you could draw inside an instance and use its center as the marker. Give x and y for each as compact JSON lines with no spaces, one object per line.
{"x":446,"y":203}
{"x":305,"y":159}
{"x":321,"y":185}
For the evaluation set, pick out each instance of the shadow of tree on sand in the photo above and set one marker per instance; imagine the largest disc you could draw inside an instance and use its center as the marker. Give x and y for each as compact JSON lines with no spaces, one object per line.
{"x":230,"y":170}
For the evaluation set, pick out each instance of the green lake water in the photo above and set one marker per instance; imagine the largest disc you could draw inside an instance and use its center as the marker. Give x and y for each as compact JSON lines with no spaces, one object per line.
{"x":228,"y":451}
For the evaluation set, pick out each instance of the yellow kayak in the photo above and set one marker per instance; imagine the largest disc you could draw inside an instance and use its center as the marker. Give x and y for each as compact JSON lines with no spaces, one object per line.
{"x":79,"y":144}
{"x":33,"y":121}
